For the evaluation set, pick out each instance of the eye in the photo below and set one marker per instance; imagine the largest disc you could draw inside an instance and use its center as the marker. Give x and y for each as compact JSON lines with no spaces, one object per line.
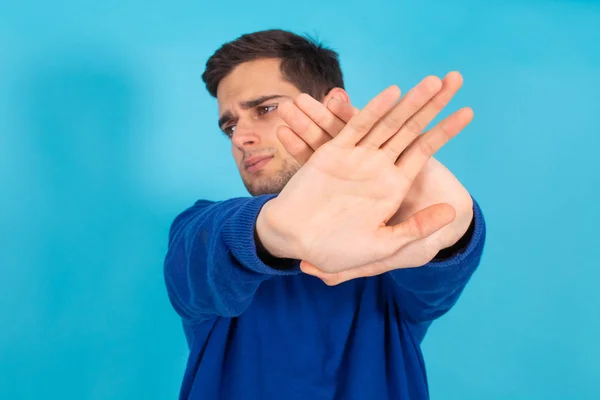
{"x":262,"y":110}
{"x":228,"y":130}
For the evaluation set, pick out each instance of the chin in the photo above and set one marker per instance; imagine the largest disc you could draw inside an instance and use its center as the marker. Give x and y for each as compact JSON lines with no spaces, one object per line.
{"x":262,"y":185}
{"x":270,"y":180}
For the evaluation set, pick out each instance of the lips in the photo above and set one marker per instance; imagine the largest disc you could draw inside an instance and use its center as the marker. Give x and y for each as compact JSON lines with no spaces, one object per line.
{"x":255,"y":163}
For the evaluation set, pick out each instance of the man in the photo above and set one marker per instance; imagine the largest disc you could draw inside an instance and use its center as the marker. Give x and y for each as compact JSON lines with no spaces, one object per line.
{"x":305,"y":290}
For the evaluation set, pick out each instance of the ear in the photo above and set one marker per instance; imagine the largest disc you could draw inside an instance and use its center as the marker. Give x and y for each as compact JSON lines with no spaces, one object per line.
{"x":337,"y":93}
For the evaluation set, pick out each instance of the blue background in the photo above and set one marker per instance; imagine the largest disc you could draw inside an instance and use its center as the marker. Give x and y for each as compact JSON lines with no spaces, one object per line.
{"x":106,"y":132}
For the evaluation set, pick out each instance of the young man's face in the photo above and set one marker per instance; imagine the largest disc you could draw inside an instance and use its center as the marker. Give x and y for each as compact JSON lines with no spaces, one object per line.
{"x":248,"y":98}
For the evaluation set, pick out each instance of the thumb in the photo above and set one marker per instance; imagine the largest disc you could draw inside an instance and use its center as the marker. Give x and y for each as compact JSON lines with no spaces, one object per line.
{"x":332,"y":279}
{"x":310,"y":269}
{"x":418,"y":226}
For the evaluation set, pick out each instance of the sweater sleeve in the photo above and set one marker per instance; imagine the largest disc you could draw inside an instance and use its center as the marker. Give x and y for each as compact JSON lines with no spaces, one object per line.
{"x":212,"y":267}
{"x":425,"y":293}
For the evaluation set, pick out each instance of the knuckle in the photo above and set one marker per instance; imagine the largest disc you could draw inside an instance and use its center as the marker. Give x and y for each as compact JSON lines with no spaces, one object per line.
{"x":425,"y":145}
{"x":445,"y":130}
{"x":413,"y":126}
{"x":393,"y":149}
{"x":360,"y":126}
{"x":416,"y":227}
{"x":371,"y":115}
{"x":415,"y":102}
{"x":392,"y":122}
{"x":440,"y":102}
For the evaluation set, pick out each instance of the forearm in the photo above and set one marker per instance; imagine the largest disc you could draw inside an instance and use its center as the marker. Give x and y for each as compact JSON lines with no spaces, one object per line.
{"x":212,"y":267}
{"x":425,"y":293}
{"x":272,"y":241}
{"x":435,"y":185}
{"x":460,"y":245}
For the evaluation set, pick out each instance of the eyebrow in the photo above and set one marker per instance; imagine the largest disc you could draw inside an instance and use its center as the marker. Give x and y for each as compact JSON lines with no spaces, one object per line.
{"x":228,"y":116}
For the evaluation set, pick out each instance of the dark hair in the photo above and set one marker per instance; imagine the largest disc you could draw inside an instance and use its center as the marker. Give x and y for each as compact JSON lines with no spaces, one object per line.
{"x":305,"y":63}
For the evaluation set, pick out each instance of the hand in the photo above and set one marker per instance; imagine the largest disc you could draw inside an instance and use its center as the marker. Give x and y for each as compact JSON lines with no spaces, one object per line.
{"x":435,"y":184}
{"x":312,"y":124}
{"x":332,"y":213}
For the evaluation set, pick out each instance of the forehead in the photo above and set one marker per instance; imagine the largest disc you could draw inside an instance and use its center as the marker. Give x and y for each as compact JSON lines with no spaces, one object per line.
{"x":250,"y":80}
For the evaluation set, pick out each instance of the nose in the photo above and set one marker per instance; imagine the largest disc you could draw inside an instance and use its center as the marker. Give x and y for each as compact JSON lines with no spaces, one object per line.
{"x":245,"y":135}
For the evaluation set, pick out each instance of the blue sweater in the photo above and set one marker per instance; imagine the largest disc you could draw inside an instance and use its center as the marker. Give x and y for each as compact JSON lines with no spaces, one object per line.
{"x":258,"y":331}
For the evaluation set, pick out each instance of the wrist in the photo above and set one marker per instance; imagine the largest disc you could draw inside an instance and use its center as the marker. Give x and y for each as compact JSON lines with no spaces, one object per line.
{"x":271,"y":240}
{"x":460,"y":239}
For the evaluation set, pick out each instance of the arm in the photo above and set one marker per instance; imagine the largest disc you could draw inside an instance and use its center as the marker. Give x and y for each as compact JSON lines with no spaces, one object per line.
{"x":212,"y":267}
{"x":427,"y":292}
{"x":324,"y":215}
{"x":312,"y":123}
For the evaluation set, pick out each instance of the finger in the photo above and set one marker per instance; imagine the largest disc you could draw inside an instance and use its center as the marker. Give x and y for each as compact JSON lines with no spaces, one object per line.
{"x":321,"y":116}
{"x":302,"y":125}
{"x":332,"y":279}
{"x":294,"y":145}
{"x":423,"y":117}
{"x":412,"y":102}
{"x":360,"y":125}
{"x":422,"y":149}
{"x":418,"y":226}
{"x":329,"y":279}
{"x":344,"y":111}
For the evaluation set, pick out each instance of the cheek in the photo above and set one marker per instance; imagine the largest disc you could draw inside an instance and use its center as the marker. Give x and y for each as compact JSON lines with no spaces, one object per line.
{"x":269,"y":125}
{"x":236,"y":153}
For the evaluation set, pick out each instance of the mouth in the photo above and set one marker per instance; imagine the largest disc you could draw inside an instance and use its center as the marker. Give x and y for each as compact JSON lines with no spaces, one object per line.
{"x":257,"y":163}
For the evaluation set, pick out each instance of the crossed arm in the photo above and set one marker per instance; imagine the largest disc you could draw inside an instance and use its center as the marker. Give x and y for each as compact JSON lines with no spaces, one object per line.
{"x":339,"y":217}
{"x":310,"y":124}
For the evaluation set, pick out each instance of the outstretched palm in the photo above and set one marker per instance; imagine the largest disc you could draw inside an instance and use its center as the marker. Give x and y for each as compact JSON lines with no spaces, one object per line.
{"x":339,"y":202}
